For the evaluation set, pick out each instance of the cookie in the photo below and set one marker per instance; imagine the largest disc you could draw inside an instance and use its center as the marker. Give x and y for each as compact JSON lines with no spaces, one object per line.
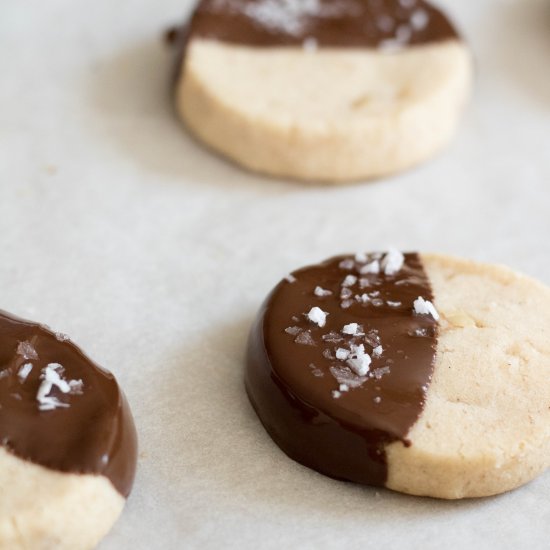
{"x":68,"y":444}
{"x":323,"y":90}
{"x":426,"y":374}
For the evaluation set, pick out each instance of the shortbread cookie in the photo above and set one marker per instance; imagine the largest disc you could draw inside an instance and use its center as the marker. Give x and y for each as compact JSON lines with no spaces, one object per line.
{"x":67,"y":442}
{"x":425,"y":374}
{"x":325,"y":90}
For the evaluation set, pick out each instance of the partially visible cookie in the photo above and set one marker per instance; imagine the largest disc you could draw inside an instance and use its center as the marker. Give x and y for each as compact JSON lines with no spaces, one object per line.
{"x":425,"y":374}
{"x":327,"y":90}
{"x":68,"y":445}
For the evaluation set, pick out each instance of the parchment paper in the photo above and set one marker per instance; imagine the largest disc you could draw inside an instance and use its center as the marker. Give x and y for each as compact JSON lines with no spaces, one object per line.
{"x":154,"y":255}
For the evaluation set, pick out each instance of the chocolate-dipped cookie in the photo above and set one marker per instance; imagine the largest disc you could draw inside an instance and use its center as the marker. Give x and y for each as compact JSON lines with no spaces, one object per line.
{"x":328,"y":90}
{"x":68,"y":445}
{"x":425,"y":374}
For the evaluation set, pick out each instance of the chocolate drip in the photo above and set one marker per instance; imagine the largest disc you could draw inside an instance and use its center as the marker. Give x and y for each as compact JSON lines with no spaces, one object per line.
{"x":89,"y":431}
{"x":294,"y":379}
{"x":336,"y":23}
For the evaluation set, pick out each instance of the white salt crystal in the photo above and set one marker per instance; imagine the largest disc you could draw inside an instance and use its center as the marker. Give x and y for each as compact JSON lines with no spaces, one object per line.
{"x":352,"y":329}
{"x":26,"y":350}
{"x":393,"y":262}
{"x":24,"y":371}
{"x":371,"y":267}
{"x":318,"y":316}
{"x":350,"y":280}
{"x":359,"y":361}
{"x":342,"y":354}
{"x":425,"y":307}
{"x":321,"y":292}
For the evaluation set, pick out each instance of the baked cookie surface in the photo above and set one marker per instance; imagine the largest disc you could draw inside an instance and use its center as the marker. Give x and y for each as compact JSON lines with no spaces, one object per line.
{"x":322,"y":90}
{"x":407,"y":371}
{"x":68,"y":445}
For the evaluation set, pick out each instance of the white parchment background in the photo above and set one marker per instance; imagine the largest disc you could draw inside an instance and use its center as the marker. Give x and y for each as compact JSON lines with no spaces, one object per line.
{"x":154,"y":255}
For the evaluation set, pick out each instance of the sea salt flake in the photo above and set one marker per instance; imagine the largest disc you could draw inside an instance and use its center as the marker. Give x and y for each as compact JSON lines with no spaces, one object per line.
{"x":24,"y":371}
{"x":364,"y":283}
{"x":52,"y":376}
{"x":62,"y":337}
{"x":346,"y":264}
{"x":419,"y":19}
{"x":26,"y":350}
{"x":346,"y":304}
{"x":353,"y":329}
{"x":377,"y":351}
{"x":305,"y":339}
{"x":293,"y":330}
{"x":343,"y":388}
{"x":372,"y":338}
{"x":342,"y":354}
{"x":318,"y":373}
{"x":333,"y":337}
{"x":361,"y":257}
{"x":364,"y":298}
{"x":327,"y":354}
{"x":350,"y":280}
{"x":344,"y":375}
{"x":359,"y":361}
{"x":393,"y":304}
{"x":336,"y":394}
{"x":377,"y":400}
{"x":370,"y":268}
{"x":290,"y":278}
{"x":379,"y":373}
{"x":425,"y":307}
{"x":393,"y":262}
{"x":346,"y":293}
{"x":377,"y":302}
{"x":76,"y":386}
{"x":318,"y":316}
{"x":321,"y":292}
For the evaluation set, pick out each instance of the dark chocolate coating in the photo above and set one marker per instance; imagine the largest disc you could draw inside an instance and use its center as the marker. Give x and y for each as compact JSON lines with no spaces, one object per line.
{"x":336,"y":23}
{"x":291,"y":384}
{"x":95,"y":434}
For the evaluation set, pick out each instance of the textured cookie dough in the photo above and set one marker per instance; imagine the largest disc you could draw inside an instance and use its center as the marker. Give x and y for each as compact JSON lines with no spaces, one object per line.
{"x":41,"y":509}
{"x":323,"y":112}
{"x":448,"y":396}
{"x":486,"y":425}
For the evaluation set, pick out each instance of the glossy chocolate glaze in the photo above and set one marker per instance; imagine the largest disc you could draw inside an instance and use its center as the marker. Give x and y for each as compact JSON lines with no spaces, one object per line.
{"x":336,"y":23}
{"x":94,"y":434}
{"x":291,"y":384}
